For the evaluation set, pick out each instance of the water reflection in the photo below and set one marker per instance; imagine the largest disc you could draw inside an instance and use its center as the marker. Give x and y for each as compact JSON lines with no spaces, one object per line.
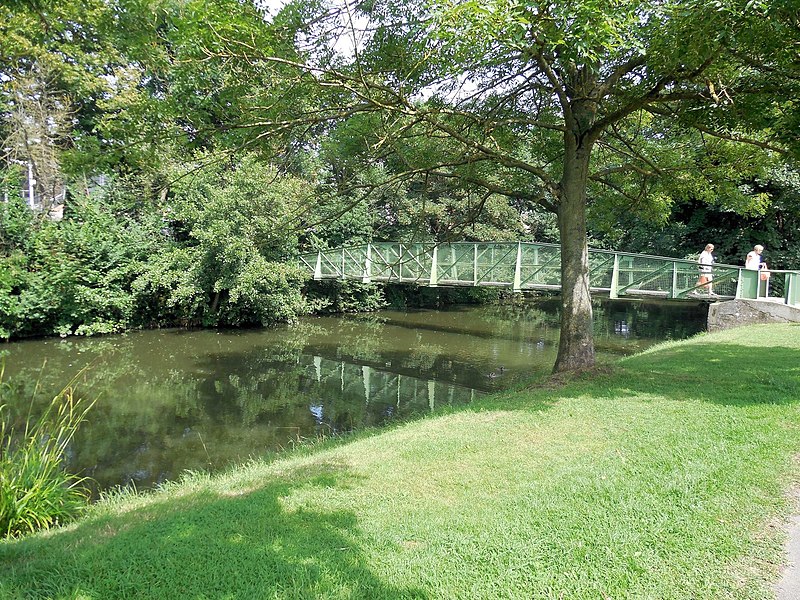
{"x":175,"y":400}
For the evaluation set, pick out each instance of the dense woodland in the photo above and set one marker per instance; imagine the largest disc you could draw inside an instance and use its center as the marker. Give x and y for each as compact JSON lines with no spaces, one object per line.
{"x":180,"y":153}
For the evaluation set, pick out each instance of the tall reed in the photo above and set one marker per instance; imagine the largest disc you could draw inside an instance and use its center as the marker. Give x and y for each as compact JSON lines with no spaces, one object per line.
{"x":35,"y":490}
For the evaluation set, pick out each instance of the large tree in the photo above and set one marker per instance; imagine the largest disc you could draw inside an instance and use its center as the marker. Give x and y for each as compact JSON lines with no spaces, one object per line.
{"x":555,"y":102}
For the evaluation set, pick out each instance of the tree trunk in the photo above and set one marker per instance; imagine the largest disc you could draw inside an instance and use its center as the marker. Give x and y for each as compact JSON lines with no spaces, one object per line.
{"x":576,"y":342}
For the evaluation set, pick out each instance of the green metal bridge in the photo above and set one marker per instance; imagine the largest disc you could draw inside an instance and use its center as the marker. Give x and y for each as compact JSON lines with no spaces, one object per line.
{"x":524,"y":266}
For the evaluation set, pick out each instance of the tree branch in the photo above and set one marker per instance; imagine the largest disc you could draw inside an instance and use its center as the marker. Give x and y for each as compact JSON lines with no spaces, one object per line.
{"x":720,"y":134}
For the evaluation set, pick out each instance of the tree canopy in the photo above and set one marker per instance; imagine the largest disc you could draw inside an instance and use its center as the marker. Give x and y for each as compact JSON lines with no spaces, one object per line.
{"x":572,"y":106}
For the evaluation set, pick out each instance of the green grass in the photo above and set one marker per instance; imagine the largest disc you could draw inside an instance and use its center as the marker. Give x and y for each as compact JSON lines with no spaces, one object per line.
{"x":665,"y":477}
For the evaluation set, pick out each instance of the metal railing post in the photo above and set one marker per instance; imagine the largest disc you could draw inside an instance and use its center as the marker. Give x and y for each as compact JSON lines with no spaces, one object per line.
{"x":793,"y":289}
{"x":433,"y":279}
{"x":318,"y":267}
{"x":517,"y":287}
{"x":674,"y":292}
{"x":614,"y":292}
{"x":367,"y":278}
{"x":474,"y":264}
{"x":738,"y":293}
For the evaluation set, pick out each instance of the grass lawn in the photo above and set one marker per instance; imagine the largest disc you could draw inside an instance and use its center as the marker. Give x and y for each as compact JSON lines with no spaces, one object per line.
{"x":665,"y":477}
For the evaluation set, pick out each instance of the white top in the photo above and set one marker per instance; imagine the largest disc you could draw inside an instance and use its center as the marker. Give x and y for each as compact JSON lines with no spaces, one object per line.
{"x":706,"y":260}
{"x":753,"y":261}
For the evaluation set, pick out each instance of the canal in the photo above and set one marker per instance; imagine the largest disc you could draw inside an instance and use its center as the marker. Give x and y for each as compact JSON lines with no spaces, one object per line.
{"x":172,"y":400}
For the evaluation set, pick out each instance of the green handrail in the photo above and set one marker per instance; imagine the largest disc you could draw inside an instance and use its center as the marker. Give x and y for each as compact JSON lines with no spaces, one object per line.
{"x":533,"y":265}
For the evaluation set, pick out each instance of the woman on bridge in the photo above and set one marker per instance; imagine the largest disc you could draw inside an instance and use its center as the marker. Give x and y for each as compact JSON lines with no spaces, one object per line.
{"x":753,"y":262}
{"x":753,"y":259}
{"x":706,"y":260}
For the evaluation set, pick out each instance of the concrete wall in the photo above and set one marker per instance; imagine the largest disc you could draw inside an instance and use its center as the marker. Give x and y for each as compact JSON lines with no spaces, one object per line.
{"x":733,"y":313}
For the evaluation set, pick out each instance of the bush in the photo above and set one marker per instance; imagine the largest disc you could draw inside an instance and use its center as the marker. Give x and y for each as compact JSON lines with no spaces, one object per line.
{"x":227,"y":260}
{"x":35,"y":490}
{"x":71,"y":276}
{"x":336,"y":297}
{"x":216,"y":251}
{"x":410,"y":296}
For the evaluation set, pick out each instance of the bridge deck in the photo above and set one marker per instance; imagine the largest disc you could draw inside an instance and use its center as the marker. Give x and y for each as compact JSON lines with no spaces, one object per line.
{"x":537,"y":266}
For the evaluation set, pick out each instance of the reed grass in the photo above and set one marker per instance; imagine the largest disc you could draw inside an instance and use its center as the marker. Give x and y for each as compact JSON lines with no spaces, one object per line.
{"x":36,"y":492}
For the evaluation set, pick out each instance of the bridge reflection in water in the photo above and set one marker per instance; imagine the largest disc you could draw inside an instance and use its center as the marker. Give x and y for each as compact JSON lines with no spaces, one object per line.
{"x":391,"y":391}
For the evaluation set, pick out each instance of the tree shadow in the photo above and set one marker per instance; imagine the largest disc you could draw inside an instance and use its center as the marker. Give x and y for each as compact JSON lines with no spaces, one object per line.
{"x":206,"y":544}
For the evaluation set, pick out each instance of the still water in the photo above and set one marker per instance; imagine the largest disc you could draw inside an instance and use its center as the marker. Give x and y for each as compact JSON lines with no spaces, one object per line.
{"x":168,"y":401}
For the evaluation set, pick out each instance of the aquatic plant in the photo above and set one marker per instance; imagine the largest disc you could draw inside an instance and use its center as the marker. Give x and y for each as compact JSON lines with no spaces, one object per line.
{"x":35,"y":490}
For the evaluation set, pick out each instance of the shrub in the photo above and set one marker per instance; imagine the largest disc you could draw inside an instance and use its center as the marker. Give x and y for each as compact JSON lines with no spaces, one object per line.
{"x":226,"y":262}
{"x":344,"y":296}
{"x":71,"y":276}
{"x":35,"y":491}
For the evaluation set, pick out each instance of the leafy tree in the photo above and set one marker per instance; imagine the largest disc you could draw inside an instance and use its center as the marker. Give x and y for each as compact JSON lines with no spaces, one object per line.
{"x":555,"y":103}
{"x":37,"y":133}
{"x":71,"y":276}
{"x":227,"y":261}
{"x":693,"y":223}
{"x":56,"y":59}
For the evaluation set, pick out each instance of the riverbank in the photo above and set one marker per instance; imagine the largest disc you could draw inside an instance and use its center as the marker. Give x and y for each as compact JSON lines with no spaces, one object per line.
{"x":666,"y":477}
{"x":176,"y":400}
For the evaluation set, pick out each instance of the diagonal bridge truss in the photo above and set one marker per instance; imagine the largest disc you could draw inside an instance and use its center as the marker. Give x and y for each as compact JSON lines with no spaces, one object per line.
{"x":535,"y":266}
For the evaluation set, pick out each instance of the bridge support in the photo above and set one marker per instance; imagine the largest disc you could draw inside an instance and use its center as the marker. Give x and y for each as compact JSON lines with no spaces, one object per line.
{"x":735,"y":313}
{"x":614,"y":292}
{"x":433,"y":279}
{"x":517,"y":287}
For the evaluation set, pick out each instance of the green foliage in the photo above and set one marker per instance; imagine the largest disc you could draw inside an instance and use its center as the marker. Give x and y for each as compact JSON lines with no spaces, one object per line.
{"x":339,"y":221}
{"x":691,"y":223}
{"x":407,"y":296}
{"x":219,"y":252}
{"x":226,"y":264}
{"x":35,"y":491}
{"x":402,"y":196}
{"x":345,"y":296}
{"x":57,"y":277}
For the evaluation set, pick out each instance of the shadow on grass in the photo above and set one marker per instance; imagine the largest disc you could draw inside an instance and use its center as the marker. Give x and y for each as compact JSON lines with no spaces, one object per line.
{"x":205,"y":545}
{"x":720,"y":373}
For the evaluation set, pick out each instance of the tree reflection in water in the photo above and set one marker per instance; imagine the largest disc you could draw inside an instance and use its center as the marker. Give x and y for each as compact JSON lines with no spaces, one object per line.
{"x":175,"y":400}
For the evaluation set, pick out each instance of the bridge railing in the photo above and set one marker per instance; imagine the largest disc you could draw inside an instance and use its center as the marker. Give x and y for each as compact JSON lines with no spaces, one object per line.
{"x":528,"y":265}
{"x":775,"y":285}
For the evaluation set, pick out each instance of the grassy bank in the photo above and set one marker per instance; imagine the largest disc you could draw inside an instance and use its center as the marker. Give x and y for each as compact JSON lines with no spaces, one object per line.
{"x":666,"y":477}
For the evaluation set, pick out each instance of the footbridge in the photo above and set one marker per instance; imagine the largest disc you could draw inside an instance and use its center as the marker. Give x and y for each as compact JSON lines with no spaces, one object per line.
{"x":524,"y":266}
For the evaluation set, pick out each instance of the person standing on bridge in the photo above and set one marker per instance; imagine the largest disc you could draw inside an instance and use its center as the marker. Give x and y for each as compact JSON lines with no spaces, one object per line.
{"x":706,"y":260}
{"x":753,"y":260}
